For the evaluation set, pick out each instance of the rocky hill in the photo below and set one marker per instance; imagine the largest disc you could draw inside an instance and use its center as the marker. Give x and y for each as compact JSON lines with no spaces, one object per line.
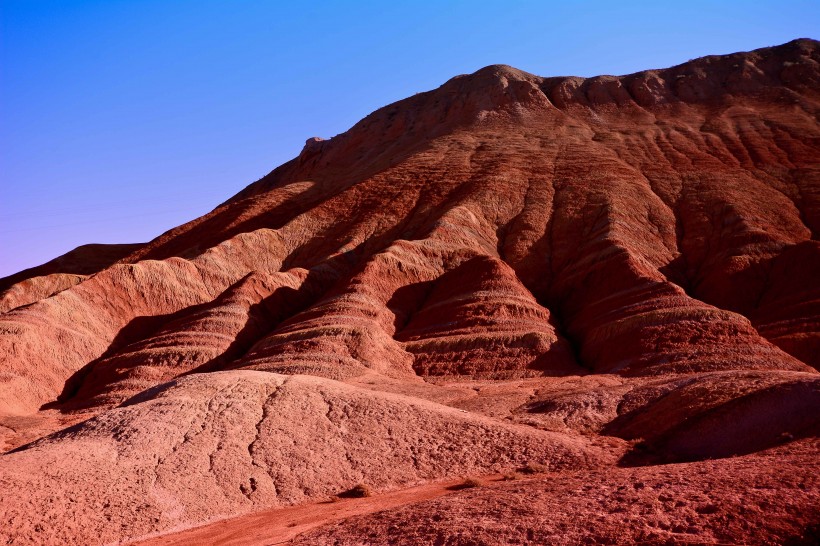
{"x":613,"y":277}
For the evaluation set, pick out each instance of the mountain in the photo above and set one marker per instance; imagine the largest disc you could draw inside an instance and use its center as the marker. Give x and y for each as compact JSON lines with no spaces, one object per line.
{"x":615,"y":280}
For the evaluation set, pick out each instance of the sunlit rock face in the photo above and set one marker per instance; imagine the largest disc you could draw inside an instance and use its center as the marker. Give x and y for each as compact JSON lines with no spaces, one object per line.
{"x":577,"y":264}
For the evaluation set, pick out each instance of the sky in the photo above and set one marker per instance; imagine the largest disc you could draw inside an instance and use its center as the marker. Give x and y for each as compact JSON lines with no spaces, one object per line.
{"x":122,"y":119}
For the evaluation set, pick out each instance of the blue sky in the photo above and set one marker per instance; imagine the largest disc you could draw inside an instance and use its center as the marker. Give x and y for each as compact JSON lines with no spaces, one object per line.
{"x":121,"y":119}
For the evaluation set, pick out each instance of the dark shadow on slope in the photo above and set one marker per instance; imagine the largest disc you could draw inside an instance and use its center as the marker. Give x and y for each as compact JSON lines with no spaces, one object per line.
{"x":83,"y":260}
{"x":421,"y":216}
{"x":420,"y":318}
{"x":809,"y":536}
{"x":137,"y":329}
{"x":406,"y":302}
{"x":81,"y":391}
{"x":756,"y":421}
{"x":267,"y":315}
{"x":573,"y":345}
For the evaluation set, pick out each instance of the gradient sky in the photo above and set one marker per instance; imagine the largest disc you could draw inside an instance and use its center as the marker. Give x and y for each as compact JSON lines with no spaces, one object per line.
{"x":122,"y":119}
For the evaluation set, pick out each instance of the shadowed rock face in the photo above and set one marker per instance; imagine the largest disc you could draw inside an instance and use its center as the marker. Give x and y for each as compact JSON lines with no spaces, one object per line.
{"x":662,"y":227}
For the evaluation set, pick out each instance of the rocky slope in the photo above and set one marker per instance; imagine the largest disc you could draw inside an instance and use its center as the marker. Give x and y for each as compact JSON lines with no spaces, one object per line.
{"x":590,"y":270}
{"x":758,"y":499}
{"x":227,"y":442}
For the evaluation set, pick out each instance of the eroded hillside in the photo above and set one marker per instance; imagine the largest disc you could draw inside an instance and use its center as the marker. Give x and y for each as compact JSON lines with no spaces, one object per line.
{"x":507,"y":269}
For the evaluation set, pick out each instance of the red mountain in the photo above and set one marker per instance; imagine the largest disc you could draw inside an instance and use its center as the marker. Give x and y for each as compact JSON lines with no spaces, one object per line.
{"x":615,"y":280}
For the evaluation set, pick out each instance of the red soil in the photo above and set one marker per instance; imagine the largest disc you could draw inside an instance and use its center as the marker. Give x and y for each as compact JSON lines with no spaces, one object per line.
{"x":616,"y":276}
{"x":282,"y":525}
{"x":760,"y":499}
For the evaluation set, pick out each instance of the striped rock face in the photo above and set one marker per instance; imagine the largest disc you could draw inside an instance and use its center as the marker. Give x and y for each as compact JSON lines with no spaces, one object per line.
{"x":593,"y":270}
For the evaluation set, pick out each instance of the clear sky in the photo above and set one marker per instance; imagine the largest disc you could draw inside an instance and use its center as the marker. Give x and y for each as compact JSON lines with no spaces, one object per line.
{"x":122,"y":119}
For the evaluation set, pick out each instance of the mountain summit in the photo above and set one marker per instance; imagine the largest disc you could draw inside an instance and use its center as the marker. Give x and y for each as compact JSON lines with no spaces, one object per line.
{"x":597,"y":276}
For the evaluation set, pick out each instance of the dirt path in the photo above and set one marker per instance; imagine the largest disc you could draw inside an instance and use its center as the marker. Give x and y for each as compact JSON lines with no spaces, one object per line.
{"x":280,"y":525}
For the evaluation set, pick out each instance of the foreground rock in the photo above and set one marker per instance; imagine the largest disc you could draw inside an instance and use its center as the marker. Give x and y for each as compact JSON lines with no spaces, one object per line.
{"x":767,"y":498}
{"x":221,"y":444}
